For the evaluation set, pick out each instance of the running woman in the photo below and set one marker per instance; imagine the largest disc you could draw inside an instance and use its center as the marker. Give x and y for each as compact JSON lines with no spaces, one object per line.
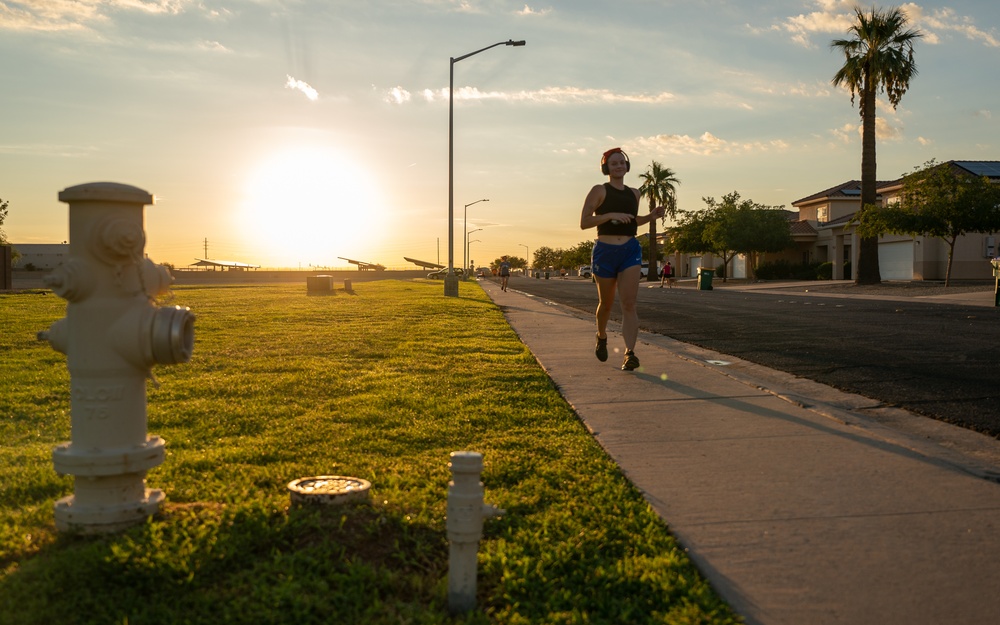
{"x":504,"y":273}
{"x":613,"y":209}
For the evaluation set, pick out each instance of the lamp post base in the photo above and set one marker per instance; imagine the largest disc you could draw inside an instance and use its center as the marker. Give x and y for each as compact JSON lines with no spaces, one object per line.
{"x":451,"y":285}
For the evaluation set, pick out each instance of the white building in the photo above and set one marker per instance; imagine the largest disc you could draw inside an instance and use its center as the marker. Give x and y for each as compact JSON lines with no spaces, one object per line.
{"x":41,"y":256}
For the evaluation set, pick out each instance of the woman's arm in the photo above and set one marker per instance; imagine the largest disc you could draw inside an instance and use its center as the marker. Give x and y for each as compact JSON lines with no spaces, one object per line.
{"x":653,"y":214}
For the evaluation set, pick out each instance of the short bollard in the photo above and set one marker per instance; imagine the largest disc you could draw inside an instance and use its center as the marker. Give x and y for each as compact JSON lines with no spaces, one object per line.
{"x":112,"y":335}
{"x":466,"y":513}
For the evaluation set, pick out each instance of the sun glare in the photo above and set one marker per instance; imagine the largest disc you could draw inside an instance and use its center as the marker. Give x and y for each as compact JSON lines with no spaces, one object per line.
{"x":308,"y":206}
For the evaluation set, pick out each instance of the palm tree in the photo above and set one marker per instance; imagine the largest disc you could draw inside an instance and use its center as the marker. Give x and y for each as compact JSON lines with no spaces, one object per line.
{"x":659,"y":185}
{"x":879,"y":56}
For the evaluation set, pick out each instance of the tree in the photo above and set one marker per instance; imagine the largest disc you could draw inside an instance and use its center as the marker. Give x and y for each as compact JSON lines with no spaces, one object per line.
{"x":939,"y":200}
{"x":14,"y":254}
{"x":547,"y":257}
{"x":516,"y":262}
{"x":3,"y":216}
{"x":578,"y":255}
{"x":732,"y":227}
{"x":659,"y":185}
{"x":764,"y":229}
{"x":878,"y":57}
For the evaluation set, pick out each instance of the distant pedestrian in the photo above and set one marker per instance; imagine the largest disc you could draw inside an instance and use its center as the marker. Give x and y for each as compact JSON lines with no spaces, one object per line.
{"x":668,"y":276}
{"x":504,"y":273}
{"x":613,"y":209}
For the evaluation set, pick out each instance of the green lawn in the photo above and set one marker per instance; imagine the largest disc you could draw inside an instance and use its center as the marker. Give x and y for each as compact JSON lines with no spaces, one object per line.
{"x":380,"y":384}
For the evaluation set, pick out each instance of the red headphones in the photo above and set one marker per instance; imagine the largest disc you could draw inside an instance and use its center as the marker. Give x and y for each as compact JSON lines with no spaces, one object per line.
{"x":604,"y":160}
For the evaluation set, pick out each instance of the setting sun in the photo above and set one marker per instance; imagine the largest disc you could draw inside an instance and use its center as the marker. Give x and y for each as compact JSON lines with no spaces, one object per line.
{"x":306,"y":206}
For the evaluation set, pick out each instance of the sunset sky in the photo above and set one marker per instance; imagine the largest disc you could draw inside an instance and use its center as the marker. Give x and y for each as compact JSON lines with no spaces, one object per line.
{"x":288,"y":133}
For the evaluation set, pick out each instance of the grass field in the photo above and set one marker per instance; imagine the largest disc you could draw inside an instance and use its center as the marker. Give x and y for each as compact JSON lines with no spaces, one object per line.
{"x":380,"y":384}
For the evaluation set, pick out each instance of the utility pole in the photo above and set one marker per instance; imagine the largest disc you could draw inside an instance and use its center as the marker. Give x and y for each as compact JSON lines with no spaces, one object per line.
{"x":206,"y":248}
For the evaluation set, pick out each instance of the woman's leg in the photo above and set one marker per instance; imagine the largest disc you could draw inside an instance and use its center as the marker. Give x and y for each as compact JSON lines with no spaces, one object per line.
{"x":605,"y":300}
{"x":628,"y":293}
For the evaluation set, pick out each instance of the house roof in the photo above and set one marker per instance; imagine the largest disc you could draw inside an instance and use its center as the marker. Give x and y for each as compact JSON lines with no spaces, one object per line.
{"x":845,"y":190}
{"x":990,"y":169}
{"x":801,"y":227}
{"x":852,"y":188}
{"x":839,"y":220}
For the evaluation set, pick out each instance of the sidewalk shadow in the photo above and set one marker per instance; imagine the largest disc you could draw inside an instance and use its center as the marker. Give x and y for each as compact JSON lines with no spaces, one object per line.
{"x":865,"y":438}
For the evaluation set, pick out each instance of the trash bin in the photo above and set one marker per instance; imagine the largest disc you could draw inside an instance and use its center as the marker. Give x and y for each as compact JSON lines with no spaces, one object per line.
{"x":705,"y":278}
{"x":546,"y":275}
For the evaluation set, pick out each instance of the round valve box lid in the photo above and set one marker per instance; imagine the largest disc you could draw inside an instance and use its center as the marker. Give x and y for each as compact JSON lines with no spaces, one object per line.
{"x":328,"y":489}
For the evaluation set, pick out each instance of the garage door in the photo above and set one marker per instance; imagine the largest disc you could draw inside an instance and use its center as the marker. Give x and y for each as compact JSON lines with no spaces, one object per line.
{"x":895,"y":260}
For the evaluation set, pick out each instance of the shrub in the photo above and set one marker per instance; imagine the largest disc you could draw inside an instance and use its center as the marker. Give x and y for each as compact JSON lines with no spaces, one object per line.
{"x":784,"y":270}
{"x":824,"y":271}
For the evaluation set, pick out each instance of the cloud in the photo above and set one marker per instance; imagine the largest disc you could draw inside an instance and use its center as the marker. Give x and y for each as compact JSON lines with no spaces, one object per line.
{"x":984,"y":113}
{"x":946,"y":20}
{"x":845,"y":133}
{"x":304,"y":87}
{"x":76,"y":15}
{"x":548,"y":95}
{"x":43,"y":149}
{"x":213,"y":46}
{"x":885,"y":130}
{"x":705,"y":145}
{"x":397,"y":95}
{"x":837,"y":16}
{"x":529,"y":11}
{"x":832,"y":16}
{"x":924,"y":141}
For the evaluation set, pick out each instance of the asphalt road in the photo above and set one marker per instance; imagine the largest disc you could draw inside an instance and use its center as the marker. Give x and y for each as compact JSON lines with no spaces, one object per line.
{"x":938,"y":360}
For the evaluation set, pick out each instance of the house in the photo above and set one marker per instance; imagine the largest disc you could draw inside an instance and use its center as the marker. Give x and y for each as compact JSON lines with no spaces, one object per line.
{"x":823,"y":232}
{"x":822,"y":229}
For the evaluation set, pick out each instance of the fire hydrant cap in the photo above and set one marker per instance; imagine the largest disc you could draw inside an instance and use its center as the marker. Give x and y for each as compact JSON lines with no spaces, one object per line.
{"x":105,"y":192}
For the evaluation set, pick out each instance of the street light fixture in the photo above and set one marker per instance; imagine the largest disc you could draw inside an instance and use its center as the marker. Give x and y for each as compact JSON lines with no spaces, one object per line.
{"x":527,"y":258}
{"x":465,"y":229}
{"x":451,"y":280}
{"x":468,"y":254}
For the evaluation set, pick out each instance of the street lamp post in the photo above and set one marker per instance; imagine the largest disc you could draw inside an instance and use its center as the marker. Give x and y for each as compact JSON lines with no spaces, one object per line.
{"x":468,"y":254}
{"x":469,"y":244}
{"x":451,"y":280}
{"x":465,"y":229}
{"x":527,"y":259}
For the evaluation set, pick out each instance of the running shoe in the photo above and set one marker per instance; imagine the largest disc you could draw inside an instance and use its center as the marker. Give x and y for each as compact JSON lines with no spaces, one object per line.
{"x":602,"y":349}
{"x":631,"y":361}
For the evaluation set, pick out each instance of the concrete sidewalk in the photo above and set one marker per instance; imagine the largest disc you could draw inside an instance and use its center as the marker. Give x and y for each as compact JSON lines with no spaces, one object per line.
{"x":802,"y":505}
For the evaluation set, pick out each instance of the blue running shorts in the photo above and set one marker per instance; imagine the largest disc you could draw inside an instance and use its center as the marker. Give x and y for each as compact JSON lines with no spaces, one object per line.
{"x":609,"y":260}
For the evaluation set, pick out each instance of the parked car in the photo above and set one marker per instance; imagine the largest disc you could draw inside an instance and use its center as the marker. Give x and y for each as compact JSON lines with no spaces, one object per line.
{"x":644,"y":271}
{"x":585,"y":271}
{"x":441,"y":273}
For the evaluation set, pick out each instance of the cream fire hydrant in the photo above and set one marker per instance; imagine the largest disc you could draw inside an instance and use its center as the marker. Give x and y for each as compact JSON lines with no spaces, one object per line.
{"x":466,"y":513}
{"x":112,"y":335}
